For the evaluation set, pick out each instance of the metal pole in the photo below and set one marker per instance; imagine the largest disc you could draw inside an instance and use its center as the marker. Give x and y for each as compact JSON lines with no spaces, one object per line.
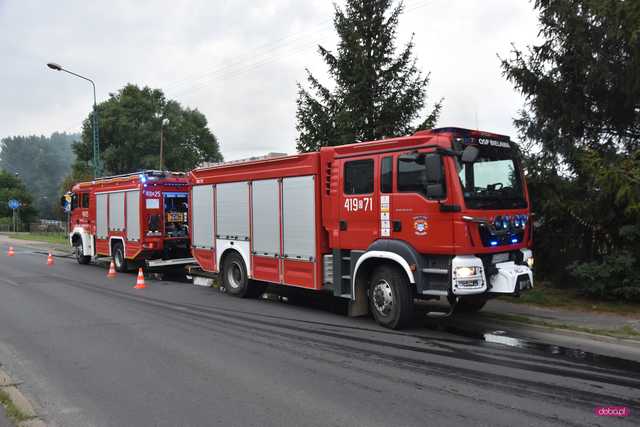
{"x":161,"y":145}
{"x":97,"y":166}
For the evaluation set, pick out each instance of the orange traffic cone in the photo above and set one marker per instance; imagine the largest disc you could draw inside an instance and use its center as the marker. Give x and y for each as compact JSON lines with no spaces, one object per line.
{"x":50,"y":260}
{"x":140,"y":281}
{"x":112,"y":271}
{"x":11,"y":252}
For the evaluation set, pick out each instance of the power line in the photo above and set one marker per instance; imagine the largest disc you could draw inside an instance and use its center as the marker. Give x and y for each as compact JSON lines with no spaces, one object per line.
{"x":242,"y":66}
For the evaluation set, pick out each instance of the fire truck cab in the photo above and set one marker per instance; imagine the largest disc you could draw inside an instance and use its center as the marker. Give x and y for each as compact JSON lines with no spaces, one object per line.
{"x":131,"y":218}
{"x":442,"y":214}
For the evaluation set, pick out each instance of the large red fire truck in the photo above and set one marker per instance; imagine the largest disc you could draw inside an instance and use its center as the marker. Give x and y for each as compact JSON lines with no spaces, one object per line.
{"x":442,"y":214}
{"x":131,"y":218}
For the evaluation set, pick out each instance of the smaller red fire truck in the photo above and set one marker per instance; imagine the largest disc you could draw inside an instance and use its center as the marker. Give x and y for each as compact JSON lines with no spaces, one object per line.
{"x":132,"y":218}
{"x":439,"y":215}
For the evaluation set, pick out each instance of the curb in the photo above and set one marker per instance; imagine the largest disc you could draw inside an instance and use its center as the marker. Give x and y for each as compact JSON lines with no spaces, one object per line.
{"x":22,"y":404}
{"x":565,"y":331}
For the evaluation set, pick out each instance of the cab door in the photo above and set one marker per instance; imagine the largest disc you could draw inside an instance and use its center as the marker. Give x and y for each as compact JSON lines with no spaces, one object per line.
{"x":414,"y":217}
{"x":359,"y":207}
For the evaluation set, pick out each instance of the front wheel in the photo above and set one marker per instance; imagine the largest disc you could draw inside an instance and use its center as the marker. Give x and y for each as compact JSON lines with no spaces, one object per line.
{"x":390,"y":298}
{"x":79,"y":252}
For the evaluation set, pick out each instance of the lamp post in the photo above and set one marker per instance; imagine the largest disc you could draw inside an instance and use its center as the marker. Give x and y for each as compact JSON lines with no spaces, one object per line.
{"x":97,"y":169}
{"x":163,"y":123}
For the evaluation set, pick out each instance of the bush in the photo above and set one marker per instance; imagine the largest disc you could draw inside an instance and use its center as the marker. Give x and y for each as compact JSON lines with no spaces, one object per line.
{"x":614,"y":277}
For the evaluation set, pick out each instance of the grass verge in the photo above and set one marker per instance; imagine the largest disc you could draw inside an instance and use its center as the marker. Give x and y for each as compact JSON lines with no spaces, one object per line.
{"x":13,"y":413}
{"x":56,"y":238}
{"x":545,"y":296}
{"x":625,"y":331}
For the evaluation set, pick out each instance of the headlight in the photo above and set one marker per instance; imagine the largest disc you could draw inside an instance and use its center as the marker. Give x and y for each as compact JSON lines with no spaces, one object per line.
{"x":530,"y":262}
{"x":463,"y":272}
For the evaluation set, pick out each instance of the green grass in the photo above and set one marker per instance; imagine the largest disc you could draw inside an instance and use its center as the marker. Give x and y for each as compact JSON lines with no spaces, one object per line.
{"x":56,"y":238}
{"x":625,"y":331}
{"x":545,"y":296}
{"x":13,"y":413}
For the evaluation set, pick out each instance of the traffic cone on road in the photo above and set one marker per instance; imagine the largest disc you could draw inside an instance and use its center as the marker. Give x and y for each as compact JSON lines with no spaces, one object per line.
{"x":11,"y":252}
{"x":140,"y":281}
{"x":112,"y":271}
{"x":50,"y":260}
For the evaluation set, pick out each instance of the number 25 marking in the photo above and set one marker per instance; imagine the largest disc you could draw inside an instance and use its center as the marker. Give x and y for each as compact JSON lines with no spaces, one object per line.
{"x":354,"y":204}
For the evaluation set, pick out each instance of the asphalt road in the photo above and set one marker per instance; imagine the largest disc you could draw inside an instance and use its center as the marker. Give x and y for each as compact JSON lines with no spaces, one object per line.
{"x":95,"y":352}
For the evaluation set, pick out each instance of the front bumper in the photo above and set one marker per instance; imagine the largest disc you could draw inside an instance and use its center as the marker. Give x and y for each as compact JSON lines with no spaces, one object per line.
{"x":511,"y":279}
{"x":498,"y":275}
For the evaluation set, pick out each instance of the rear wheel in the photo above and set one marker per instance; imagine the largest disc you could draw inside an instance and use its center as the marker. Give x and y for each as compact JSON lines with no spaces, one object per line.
{"x":118,"y":258}
{"x":235,"y":278}
{"x":390,"y":298}
{"x":470,"y":304}
{"x":79,"y":253}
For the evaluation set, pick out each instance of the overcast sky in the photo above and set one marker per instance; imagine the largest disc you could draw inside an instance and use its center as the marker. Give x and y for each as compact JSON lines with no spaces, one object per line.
{"x":238,"y":61}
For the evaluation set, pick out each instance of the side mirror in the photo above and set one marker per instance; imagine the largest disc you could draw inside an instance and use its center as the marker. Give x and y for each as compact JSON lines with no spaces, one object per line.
{"x":470,"y":154}
{"x":435,"y":177}
{"x":433,"y":164}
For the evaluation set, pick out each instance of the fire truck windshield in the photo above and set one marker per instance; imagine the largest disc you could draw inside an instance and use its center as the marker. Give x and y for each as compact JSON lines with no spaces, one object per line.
{"x":491,"y":182}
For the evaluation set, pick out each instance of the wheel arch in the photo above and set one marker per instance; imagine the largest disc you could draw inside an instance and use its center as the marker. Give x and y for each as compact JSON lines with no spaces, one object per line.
{"x":80,"y":234}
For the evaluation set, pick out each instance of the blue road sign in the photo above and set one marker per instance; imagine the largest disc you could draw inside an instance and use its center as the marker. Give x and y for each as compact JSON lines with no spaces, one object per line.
{"x":14,"y":204}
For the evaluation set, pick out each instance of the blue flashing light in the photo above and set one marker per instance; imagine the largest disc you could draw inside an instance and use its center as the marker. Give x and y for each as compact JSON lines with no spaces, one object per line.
{"x":514,"y":240}
{"x":494,"y":243}
{"x":143,"y":178}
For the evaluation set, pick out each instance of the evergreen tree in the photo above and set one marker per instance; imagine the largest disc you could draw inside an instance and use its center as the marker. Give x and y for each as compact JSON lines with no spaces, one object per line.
{"x":377,"y":92}
{"x":582,"y":120}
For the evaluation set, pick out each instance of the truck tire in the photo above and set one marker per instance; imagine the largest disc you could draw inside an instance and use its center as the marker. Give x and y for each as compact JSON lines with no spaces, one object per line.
{"x":470,"y":304}
{"x":234,"y":276}
{"x":119,"y":260}
{"x":78,"y":250}
{"x":390,"y":298}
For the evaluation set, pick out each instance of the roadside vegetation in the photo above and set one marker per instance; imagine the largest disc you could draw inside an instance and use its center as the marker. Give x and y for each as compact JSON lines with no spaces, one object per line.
{"x":12,"y":412}
{"x":56,"y":238}
{"x":580,"y":137}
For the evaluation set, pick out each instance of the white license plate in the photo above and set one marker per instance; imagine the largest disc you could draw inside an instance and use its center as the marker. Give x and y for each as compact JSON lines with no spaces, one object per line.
{"x":498,"y":258}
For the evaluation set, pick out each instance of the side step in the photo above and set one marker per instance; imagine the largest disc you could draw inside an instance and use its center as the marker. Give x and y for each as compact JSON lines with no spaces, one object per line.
{"x":440,"y":310}
{"x":157,"y":263}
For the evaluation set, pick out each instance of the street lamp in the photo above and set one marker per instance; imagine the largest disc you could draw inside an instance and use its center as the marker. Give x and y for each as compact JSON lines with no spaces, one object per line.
{"x":163,"y":123}
{"x":96,"y":143}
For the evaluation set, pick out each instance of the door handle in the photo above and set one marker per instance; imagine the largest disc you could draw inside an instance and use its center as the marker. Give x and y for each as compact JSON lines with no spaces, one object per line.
{"x":343,"y":225}
{"x":397,"y":226}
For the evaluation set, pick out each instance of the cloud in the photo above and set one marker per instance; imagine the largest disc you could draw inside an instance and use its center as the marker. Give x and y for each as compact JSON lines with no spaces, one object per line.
{"x":239,"y":61}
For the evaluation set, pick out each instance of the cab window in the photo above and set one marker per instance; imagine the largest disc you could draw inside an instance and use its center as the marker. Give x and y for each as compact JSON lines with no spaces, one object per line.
{"x":386,"y":175}
{"x":84,"y":200}
{"x":358,"y":177}
{"x":412,"y":175}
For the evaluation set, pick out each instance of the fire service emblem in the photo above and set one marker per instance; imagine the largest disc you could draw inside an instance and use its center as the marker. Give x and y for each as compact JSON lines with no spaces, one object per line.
{"x":420,"y":225}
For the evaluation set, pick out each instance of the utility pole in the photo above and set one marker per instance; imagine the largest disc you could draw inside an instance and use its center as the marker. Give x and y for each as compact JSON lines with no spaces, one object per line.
{"x":163,"y":123}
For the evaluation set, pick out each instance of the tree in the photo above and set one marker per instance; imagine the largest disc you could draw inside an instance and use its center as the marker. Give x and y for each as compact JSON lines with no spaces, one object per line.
{"x":581,"y":122}
{"x":377,"y":93}
{"x":42,"y":163}
{"x":129,"y":124}
{"x":11,"y":187}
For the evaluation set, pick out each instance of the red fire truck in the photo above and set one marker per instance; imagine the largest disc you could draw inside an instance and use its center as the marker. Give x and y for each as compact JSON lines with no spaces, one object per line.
{"x":443,"y":214}
{"x":132,"y":218}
